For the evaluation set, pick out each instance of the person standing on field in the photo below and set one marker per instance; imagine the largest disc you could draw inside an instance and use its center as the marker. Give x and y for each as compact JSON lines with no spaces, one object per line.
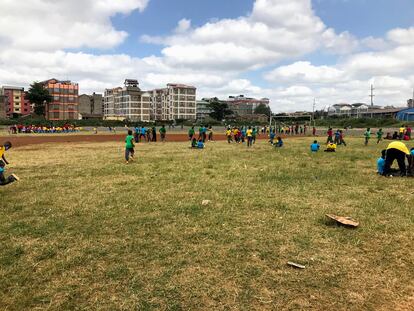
{"x":380,"y":133}
{"x":210,"y":133}
{"x":228,"y":135}
{"x":402,"y":130}
{"x":191,"y":133}
{"x":341,"y":138}
{"x":254,"y":135}
{"x":330,"y":134}
{"x":163,"y":133}
{"x":367,"y":136}
{"x":249,"y":134}
{"x":129,"y":147}
{"x":154,"y":134}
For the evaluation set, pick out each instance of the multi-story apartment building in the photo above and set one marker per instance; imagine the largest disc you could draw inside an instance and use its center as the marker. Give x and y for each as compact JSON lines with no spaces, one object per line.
{"x":182,"y":102}
{"x":2,"y":106}
{"x":16,"y":103}
{"x":91,"y":106}
{"x":203,"y":110}
{"x":160,"y":105}
{"x":242,"y":105}
{"x":176,"y":101}
{"x":65,"y":100}
{"x":128,"y":103}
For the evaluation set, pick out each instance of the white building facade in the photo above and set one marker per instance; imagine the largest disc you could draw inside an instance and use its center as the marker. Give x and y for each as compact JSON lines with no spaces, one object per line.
{"x":127,"y":103}
{"x":175,"y":102}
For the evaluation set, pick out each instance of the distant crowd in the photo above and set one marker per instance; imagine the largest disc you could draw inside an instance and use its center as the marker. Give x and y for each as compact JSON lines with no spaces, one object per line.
{"x":38,"y":129}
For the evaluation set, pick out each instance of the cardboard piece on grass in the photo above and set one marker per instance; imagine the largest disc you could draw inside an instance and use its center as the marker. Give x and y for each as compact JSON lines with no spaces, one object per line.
{"x":346,"y":221}
{"x":296,"y":265}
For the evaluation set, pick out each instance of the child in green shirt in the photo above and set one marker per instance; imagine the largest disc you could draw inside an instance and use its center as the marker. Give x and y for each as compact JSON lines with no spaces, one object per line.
{"x":367,"y":136}
{"x":129,"y":147}
{"x":379,"y":136}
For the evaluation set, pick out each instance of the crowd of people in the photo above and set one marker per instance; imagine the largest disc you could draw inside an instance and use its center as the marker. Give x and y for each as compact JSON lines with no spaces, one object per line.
{"x":148,"y":134}
{"x":39,"y":129}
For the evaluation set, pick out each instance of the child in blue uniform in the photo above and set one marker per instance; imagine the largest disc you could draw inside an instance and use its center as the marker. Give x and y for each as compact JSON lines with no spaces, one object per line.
{"x":200,"y":144}
{"x":279,"y":142}
{"x":315,"y":146}
{"x":381,"y":162}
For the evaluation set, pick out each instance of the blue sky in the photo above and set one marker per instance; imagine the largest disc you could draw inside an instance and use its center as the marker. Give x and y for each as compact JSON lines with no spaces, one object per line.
{"x":290,"y":51}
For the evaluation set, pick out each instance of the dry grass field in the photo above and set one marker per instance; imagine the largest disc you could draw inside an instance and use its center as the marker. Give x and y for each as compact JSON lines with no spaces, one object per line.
{"x":84,"y":231}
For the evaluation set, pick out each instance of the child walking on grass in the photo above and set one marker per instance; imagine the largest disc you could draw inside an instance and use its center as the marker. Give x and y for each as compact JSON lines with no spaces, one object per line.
{"x":12,"y":178}
{"x":367,"y":136}
{"x":129,"y":147}
{"x":249,"y":134}
{"x":379,"y":136}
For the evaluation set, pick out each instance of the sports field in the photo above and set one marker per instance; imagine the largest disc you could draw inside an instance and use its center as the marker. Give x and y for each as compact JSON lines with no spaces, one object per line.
{"x":84,"y":231}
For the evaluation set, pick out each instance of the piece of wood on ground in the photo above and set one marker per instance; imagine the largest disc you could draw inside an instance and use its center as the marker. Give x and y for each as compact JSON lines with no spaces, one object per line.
{"x":296,"y":265}
{"x":346,"y":221}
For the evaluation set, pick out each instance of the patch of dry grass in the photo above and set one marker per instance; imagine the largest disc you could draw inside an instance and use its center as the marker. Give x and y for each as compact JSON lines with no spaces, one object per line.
{"x":85,"y":231}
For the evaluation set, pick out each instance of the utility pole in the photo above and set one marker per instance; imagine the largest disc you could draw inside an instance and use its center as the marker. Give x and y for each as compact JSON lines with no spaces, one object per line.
{"x":372,"y":99}
{"x":313,"y":111}
{"x":372,"y":95}
{"x":412,"y":101}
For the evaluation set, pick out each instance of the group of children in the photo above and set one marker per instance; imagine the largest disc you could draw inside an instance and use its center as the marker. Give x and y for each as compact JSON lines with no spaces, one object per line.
{"x":243,"y":134}
{"x":330,"y":147}
{"x":203,"y":133}
{"x":148,"y":134}
{"x":39,"y":129}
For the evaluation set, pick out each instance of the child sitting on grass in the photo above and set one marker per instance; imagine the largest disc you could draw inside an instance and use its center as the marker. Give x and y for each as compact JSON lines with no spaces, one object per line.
{"x":315,"y":146}
{"x":381,"y":162}
{"x":12,"y":178}
{"x":200,"y":144}
{"x":279,"y":142}
{"x":3,"y":180}
{"x":194,"y":143}
{"x":331,"y":147}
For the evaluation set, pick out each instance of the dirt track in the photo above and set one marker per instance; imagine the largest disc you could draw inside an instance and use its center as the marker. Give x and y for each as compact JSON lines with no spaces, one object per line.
{"x":19,"y":141}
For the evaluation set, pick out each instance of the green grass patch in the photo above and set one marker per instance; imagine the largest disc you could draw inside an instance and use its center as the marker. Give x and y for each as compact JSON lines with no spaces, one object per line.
{"x":83,"y":230}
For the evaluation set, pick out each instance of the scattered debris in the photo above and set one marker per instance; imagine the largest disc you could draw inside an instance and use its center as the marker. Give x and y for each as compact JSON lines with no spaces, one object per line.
{"x":205,"y":202}
{"x":296,"y":265}
{"x":346,"y":221}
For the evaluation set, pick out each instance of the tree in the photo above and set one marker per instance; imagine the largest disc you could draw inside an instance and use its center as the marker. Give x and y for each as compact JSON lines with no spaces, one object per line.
{"x":263,"y":109}
{"x":39,"y":97}
{"x":219,"y":109}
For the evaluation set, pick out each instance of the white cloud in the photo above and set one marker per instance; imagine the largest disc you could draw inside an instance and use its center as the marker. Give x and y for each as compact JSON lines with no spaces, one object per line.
{"x":43,"y":25}
{"x":275,"y":30}
{"x":305,"y":72}
{"x":401,"y":36}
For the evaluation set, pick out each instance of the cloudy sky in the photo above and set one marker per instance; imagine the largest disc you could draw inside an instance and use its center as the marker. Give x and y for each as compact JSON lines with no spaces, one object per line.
{"x":291,"y":51}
